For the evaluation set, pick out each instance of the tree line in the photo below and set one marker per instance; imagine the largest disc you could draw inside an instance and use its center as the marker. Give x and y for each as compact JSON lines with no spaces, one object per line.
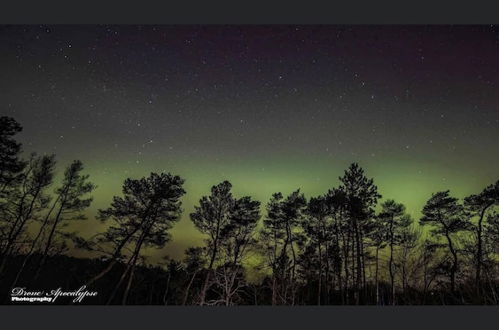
{"x":342,"y":247}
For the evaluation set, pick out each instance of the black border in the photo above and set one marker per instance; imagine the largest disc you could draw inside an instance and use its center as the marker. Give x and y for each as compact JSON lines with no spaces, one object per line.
{"x":248,"y":12}
{"x":251,"y":318}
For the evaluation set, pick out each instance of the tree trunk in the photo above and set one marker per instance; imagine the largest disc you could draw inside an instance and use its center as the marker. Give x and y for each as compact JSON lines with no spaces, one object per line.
{"x":358,"y":281}
{"x":346,"y":244}
{"x":204,"y":290}
{"x":130,"y":265}
{"x":392,"y":272}
{"x":165,"y":295}
{"x":22,"y":218}
{"x":188,"y":288}
{"x":454,"y":264}
{"x":376,"y":275}
{"x":33,"y":243}
{"x":130,"y":279}
{"x":320,"y":276}
{"x":49,"y":240}
{"x":479,"y":253}
{"x":62,"y":197}
{"x":123,"y":276}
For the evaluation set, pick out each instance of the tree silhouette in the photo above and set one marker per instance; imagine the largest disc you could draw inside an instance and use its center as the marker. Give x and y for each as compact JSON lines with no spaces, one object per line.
{"x":491,"y":237}
{"x":237,"y":238}
{"x":194,"y":263}
{"x":361,"y":197}
{"x":333,"y":249}
{"x":142,"y":217}
{"x":211,"y":217}
{"x":10,"y":162}
{"x":68,"y":206}
{"x":409,"y":237}
{"x":26,"y":202}
{"x":447,"y":218}
{"x":318,"y":230}
{"x":336,"y":200}
{"x":395,"y":220}
{"x":238,"y":233}
{"x":229,"y":224}
{"x":272,"y":238}
{"x":173,"y":267}
{"x":478,"y":206}
{"x":379,"y":238}
{"x":280,"y":237}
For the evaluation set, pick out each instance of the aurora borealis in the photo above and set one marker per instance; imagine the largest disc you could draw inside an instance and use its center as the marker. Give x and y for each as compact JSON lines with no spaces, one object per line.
{"x":269,"y":108}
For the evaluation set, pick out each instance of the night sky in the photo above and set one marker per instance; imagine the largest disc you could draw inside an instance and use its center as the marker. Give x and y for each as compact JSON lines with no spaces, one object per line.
{"x":269,"y":108}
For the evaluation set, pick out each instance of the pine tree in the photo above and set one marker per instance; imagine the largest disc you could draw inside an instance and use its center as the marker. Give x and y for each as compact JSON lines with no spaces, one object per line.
{"x":26,"y":202}
{"x":361,"y":197}
{"x":11,"y":164}
{"x":478,"y":206}
{"x":395,"y":220}
{"x":71,"y":200}
{"x":142,"y":217}
{"x":447,"y":219}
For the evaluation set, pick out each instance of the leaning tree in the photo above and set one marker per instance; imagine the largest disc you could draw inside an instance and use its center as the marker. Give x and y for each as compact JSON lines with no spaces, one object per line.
{"x":447,"y":219}
{"x":479,"y":206}
{"x":141,"y":218}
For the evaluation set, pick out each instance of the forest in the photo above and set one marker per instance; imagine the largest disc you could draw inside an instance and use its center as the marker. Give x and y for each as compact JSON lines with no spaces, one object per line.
{"x":345,"y":247}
